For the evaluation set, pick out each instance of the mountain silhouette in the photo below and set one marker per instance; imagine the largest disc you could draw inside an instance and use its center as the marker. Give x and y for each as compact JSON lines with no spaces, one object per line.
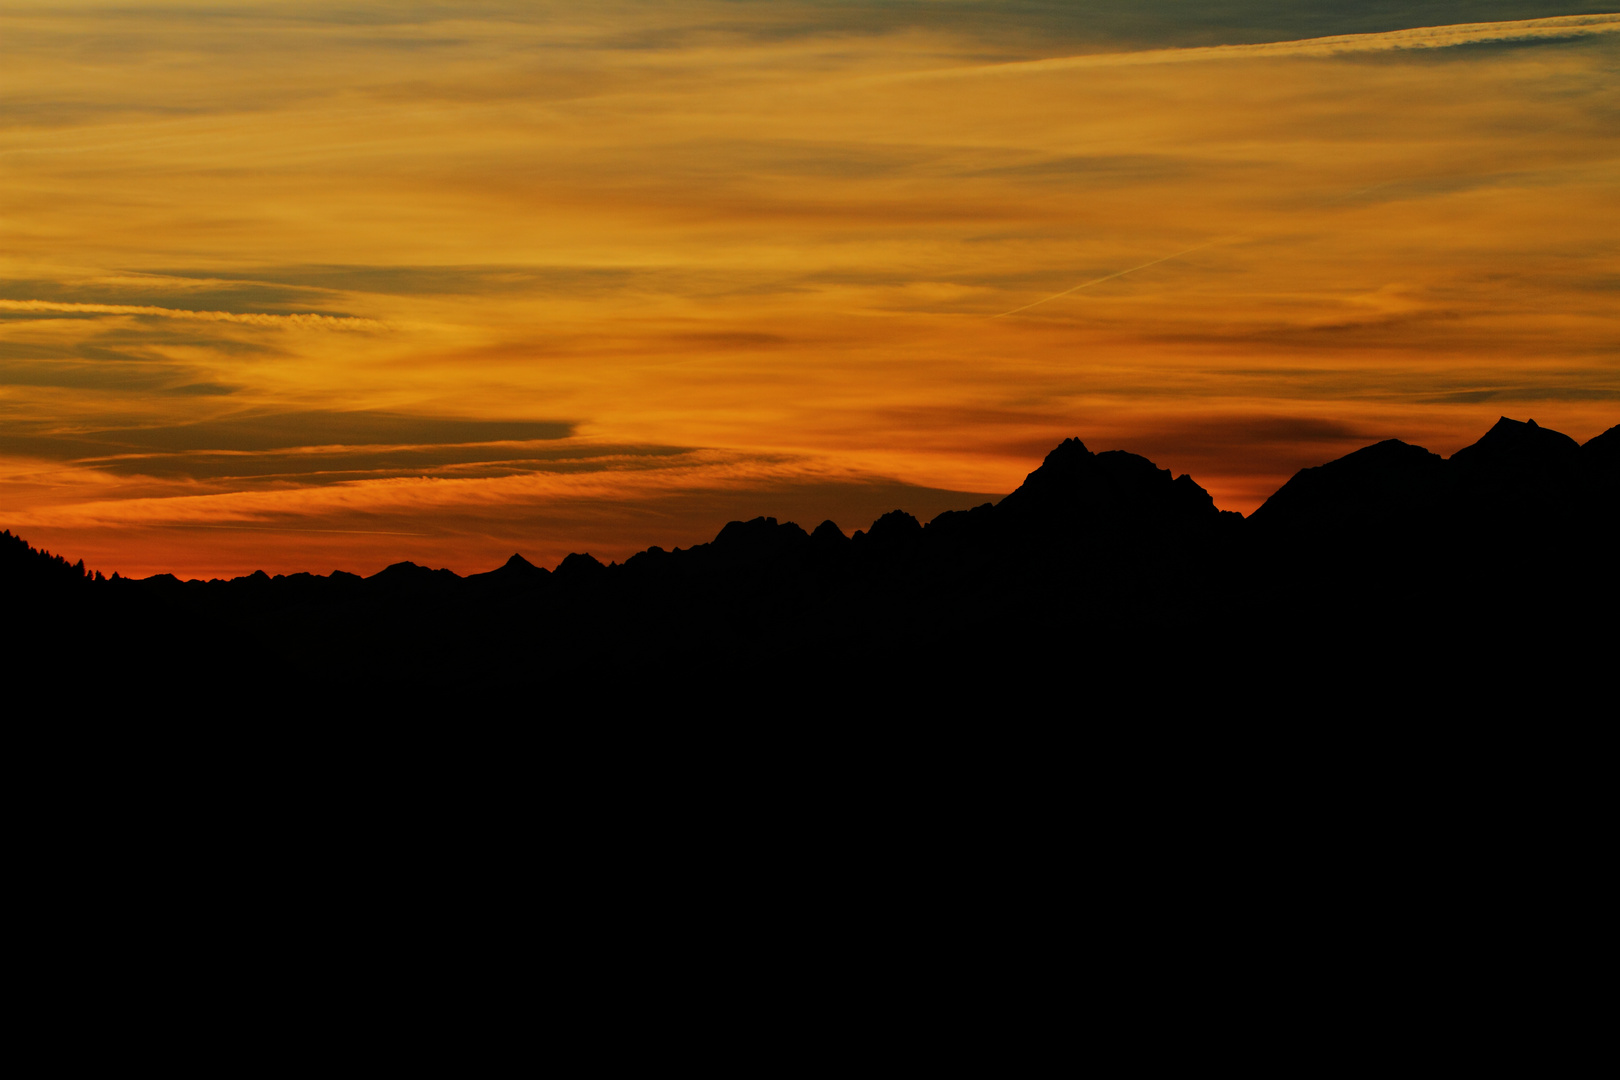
{"x":1519,"y":476}
{"x":1078,"y":492}
{"x":1385,"y":565}
{"x":1378,"y":487}
{"x":1600,"y":467}
{"x":1602,"y":454}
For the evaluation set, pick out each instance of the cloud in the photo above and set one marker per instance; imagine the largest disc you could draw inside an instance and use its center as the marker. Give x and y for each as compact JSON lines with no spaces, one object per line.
{"x":722,"y":238}
{"x":1426,"y":37}
{"x":333,"y":465}
{"x":123,"y":377}
{"x":1106,"y":277}
{"x":397,"y":280}
{"x":258,"y":433}
{"x":1528,"y":393}
{"x":301,"y":322}
{"x":618,"y":505}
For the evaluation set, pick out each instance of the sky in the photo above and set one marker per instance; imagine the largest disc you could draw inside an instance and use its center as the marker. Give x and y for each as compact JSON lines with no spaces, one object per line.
{"x":303,"y":286}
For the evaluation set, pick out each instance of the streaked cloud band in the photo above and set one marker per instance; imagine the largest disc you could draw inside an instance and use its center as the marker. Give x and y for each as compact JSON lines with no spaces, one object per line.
{"x":1423,"y":37}
{"x":292,"y":321}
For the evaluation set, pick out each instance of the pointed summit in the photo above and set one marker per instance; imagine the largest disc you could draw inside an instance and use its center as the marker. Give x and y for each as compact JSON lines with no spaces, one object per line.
{"x":1113,"y":490}
{"x":518,"y":569}
{"x":1519,"y":477}
{"x":829,"y":533}
{"x":408,"y":577}
{"x":1069,"y":450}
{"x":1064,"y":471}
{"x":1512,"y":445}
{"x":579,"y":566}
{"x":513,"y":573}
{"x":894,"y":532}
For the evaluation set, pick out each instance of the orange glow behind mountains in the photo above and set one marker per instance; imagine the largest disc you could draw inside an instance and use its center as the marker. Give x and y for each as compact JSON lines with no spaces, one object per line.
{"x":293,"y":292}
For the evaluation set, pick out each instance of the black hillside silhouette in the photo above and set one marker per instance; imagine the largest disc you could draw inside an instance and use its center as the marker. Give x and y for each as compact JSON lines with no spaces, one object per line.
{"x":1101,"y":577}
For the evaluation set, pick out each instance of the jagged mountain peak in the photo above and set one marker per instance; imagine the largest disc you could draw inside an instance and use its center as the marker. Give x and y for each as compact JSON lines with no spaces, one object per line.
{"x":758,"y":531}
{"x":579,"y":563}
{"x":828,"y":532}
{"x":1112,"y":489}
{"x":409,"y":574}
{"x":1512,"y":443}
{"x":513,"y":571}
{"x":1070,"y":449}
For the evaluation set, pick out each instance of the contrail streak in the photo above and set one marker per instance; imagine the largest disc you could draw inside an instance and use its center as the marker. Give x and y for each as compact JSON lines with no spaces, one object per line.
{"x":1109,"y":277}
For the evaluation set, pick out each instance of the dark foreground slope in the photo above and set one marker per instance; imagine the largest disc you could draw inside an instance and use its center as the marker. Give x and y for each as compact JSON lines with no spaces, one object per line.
{"x":1102,"y":579}
{"x":1514,"y":531}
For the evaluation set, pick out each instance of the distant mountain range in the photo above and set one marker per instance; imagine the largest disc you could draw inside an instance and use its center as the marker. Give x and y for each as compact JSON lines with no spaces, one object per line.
{"x":1098,"y":567}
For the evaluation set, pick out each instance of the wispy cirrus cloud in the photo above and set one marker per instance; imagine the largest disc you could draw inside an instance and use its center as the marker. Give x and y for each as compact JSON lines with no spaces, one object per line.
{"x":251,"y":239}
{"x":611,"y":502}
{"x":1560,"y":28}
{"x":288,"y":321}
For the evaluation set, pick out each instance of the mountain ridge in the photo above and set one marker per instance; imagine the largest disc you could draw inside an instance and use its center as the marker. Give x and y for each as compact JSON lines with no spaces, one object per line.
{"x":1117,"y":492}
{"x":1087,"y":561}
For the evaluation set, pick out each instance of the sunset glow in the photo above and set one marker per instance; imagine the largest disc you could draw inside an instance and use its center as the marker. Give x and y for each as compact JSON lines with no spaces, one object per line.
{"x":295,"y":290}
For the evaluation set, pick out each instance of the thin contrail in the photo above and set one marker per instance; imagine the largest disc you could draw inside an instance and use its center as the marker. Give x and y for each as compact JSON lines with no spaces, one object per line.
{"x":1109,"y":277}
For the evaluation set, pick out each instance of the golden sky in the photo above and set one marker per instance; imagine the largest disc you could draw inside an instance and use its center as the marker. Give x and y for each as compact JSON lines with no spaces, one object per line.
{"x":297,"y":287}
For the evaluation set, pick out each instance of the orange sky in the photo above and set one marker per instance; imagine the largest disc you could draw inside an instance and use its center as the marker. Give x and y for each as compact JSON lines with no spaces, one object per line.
{"x":294,"y":291}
